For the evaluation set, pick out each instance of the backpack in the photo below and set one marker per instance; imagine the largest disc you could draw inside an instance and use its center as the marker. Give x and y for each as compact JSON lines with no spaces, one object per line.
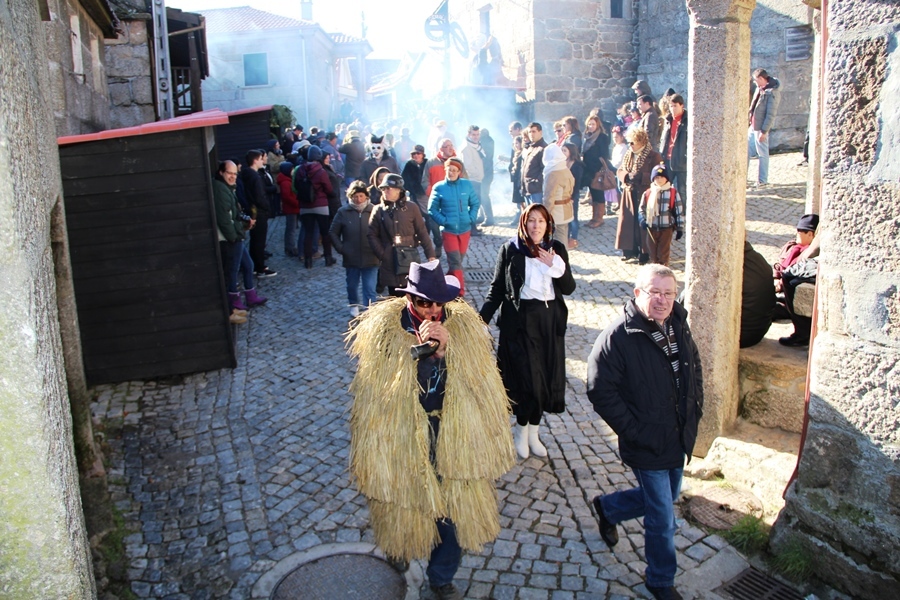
{"x":303,"y":186}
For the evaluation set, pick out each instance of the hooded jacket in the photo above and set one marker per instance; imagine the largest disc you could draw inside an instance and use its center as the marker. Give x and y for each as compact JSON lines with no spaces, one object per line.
{"x":632,"y":386}
{"x":454,"y":205}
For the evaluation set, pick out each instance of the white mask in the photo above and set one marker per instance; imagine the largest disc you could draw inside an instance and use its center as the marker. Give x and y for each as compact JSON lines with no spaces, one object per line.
{"x":377,"y":151}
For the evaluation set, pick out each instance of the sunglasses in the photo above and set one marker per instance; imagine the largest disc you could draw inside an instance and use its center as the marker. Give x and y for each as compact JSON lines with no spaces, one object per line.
{"x":423,"y":303}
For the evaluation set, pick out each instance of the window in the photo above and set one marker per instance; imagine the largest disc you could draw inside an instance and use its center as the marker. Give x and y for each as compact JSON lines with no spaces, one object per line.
{"x":256,"y":69}
{"x":616,"y":9}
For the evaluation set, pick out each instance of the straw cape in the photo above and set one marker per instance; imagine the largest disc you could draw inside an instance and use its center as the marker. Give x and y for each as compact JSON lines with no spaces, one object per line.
{"x":391,"y":437}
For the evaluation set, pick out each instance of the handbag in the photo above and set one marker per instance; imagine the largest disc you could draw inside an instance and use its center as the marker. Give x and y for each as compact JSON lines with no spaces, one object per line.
{"x":404,"y":256}
{"x":604,"y":179}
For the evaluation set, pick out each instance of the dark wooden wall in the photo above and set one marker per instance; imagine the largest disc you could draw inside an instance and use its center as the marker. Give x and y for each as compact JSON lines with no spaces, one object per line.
{"x":145,"y":260}
{"x":242,"y":133}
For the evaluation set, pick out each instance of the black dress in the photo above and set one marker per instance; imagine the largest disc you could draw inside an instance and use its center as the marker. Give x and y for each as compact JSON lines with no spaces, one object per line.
{"x":531,"y":353}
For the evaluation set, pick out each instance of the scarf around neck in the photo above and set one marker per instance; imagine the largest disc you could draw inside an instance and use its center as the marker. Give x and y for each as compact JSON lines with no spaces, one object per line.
{"x":633,"y":162}
{"x":653,"y":199}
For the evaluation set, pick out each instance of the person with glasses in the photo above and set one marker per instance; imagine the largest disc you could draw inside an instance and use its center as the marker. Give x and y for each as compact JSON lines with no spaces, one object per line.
{"x":645,"y":380}
{"x":531,"y":277}
{"x":429,"y":426}
{"x":635,"y":176}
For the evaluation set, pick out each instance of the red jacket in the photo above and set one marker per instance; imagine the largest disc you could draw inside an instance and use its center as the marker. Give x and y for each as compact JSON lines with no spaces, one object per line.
{"x":289,"y":204}
{"x":434,"y":172}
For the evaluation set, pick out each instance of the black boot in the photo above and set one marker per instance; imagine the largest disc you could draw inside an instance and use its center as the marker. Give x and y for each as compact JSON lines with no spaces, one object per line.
{"x":329,"y":261}
{"x":307,"y":262}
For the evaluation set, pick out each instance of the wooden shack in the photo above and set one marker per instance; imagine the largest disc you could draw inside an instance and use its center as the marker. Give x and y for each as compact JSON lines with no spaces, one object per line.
{"x":148,"y":280}
{"x":246,"y":129}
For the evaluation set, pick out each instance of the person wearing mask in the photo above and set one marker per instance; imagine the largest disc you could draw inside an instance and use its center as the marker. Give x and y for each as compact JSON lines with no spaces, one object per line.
{"x":453,"y":205}
{"x":350,"y":237}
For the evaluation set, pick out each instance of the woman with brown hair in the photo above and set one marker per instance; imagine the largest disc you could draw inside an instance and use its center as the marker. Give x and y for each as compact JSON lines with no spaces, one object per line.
{"x":531,"y":277}
{"x":595,"y":156}
{"x":634,"y":173}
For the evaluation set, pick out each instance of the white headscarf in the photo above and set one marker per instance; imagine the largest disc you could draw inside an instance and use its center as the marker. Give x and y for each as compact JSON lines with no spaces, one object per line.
{"x":554,"y":159}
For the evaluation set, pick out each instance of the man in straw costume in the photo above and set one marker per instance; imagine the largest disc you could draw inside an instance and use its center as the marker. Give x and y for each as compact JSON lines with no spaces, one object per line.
{"x":429,"y":425}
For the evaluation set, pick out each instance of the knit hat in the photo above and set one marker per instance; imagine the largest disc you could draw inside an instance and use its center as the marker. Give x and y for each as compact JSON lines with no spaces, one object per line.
{"x":314,"y":154}
{"x":298,"y":145}
{"x":286,"y":167}
{"x":658,"y":170}
{"x":808,"y":223}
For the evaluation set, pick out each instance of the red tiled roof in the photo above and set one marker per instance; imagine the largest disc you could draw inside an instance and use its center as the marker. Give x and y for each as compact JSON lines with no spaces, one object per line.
{"x":244,"y":18}
{"x":206,"y":118}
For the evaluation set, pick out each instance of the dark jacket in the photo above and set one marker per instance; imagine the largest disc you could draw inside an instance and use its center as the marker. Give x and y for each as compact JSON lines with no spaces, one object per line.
{"x":757,"y":297}
{"x":533,"y":168}
{"x":412,"y":181}
{"x":255,"y":193}
{"x":370,"y":164}
{"x":334,"y":197}
{"x":632,"y":386}
{"x":764,"y":106}
{"x":387,"y":221}
{"x":506,"y":287}
{"x":678,"y":162}
{"x":350,"y":235}
{"x":321,"y":184}
{"x":591,"y":156}
{"x":355,"y":153}
{"x":228,"y":211}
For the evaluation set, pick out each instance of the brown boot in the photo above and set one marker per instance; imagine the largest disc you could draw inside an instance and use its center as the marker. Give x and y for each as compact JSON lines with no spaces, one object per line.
{"x":597,"y":216}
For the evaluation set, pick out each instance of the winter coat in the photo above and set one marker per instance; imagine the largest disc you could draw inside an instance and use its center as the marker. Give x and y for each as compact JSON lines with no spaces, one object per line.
{"x":412,"y":181}
{"x":255,"y":193}
{"x":289,"y":204}
{"x":763,"y":113}
{"x":370,"y":164}
{"x":321,"y":184}
{"x":434,"y":172}
{"x":334,"y":198}
{"x":558,"y":188}
{"x":591,"y":158}
{"x":227,"y":212}
{"x":391,"y":219}
{"x":506,"y":288}
{"x":678,"y":162}
{"x":350,"y":236}
{"x":454,"y":205}
{"x":474,"y":162}
{"x":632,"y":386}
{"x":533,"y":168}
{"x":355,"y":153}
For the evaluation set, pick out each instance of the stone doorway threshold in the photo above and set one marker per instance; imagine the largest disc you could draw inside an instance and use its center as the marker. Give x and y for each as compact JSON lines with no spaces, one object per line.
{"x":276,"y":582}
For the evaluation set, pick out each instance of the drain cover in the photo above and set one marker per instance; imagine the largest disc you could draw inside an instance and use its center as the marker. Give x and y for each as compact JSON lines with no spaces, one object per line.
{"x":722,"y":508}
{"x":756,"y":585}
{"x":342,"y":576}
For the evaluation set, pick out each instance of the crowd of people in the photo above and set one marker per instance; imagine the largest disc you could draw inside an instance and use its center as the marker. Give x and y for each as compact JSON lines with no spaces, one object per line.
{"x":392,"y":212}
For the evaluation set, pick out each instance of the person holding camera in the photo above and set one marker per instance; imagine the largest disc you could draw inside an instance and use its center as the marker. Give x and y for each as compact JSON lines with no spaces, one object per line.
{"x":429,"y":430}
{"x":531,"y":277}
{"x":396,"y":230}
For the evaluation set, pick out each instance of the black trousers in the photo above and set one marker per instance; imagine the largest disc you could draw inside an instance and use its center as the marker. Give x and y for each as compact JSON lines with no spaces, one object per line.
{"x":802,"y":325}
{"x":258,"y":243}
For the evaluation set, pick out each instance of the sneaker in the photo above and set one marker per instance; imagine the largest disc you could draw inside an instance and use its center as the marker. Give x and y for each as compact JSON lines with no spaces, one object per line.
{"x":665,"y":593}
{"x":447,"y":592}
{"x":267,"y":272}
{"x":354,"y":311}
{"x":608,"y":531}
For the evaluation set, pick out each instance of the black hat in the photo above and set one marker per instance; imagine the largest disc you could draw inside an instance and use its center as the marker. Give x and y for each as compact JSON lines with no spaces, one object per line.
{"x":427,"y":280}
{"x":374,"y":139}
{"x":391,"y":180}
{"x":808,"y":223}
{"x":659,"y":169}
{"x":419,"y":148}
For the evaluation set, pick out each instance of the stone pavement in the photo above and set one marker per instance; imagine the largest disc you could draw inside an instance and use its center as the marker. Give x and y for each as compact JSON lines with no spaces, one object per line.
{"x":221,"y":475}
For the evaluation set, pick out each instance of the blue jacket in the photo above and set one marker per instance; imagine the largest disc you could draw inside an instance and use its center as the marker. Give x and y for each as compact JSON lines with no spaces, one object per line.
{"x":454,"y":205}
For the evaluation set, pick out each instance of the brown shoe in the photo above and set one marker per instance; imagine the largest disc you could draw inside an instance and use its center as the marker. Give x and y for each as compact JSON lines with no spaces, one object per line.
{"x":237,"y":319}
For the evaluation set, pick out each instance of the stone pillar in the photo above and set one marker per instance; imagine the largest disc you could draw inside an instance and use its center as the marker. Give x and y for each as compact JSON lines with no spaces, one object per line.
{"x":43,"y":547}
{"x":843,"y":509}
{"x":719,"y":75}
{"x":814,"y":180}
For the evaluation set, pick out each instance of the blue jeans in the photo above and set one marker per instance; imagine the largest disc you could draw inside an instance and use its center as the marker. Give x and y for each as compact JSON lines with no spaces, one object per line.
{"x":573,"y":226}
{"x":757,"y":148}
{"x":537,"y":198}
{"x":679,"y":180}
{"x":243,"y":264}
{"x":654,"y":500}
{"x":369,"y":277}
{"x":445,"y":557}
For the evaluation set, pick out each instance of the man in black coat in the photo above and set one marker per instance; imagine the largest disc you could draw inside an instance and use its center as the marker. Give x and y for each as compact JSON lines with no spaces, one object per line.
{"x":644,"y":380}
{"x":673,"y":145}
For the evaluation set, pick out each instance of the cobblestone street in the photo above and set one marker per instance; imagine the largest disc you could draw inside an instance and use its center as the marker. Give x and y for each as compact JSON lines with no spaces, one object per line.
{"x":221,"y":475}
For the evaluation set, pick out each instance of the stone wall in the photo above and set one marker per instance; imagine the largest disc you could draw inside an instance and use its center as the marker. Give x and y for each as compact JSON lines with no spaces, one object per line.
{"x":844,"y":508}
{"x":567,"y":55}
{"x":663,"y":57}
{"x":43,"y":547}
{"x":129,"y":71}
{"x":78,"y":89}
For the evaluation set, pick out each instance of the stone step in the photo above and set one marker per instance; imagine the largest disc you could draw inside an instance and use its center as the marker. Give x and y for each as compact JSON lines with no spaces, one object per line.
{"x":773,"y":381}
{"x":758,"y":459}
